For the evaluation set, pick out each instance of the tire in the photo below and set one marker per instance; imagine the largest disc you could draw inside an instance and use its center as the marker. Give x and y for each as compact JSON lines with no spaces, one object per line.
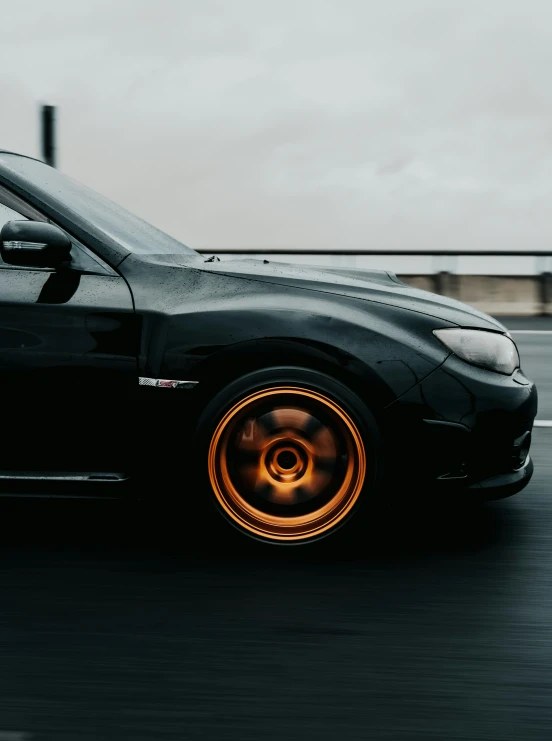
{"x":290,"y":454}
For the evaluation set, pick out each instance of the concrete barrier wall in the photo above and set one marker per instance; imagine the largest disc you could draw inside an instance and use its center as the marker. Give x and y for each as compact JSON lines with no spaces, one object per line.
{"x":494,"y":294}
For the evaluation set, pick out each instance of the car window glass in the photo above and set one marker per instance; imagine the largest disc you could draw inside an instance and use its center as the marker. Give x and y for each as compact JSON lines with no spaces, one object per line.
{"x":85,"y":261}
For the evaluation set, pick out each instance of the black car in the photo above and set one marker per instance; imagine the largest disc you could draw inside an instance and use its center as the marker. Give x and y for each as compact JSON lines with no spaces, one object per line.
{"x":292,"y":397}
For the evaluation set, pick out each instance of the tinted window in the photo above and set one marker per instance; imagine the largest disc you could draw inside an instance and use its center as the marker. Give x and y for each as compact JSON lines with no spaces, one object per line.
{"x":131,"y":232}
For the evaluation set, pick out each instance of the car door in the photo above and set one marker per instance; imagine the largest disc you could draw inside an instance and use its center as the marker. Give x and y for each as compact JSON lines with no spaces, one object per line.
{"x":68,"y":353}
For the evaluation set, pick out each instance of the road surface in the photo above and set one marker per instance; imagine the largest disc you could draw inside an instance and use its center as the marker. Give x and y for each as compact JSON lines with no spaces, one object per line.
{"x":439,"y":628}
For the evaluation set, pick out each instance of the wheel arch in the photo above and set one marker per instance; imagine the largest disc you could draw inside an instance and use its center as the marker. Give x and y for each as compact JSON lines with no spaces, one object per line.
{"x":227,"y":364}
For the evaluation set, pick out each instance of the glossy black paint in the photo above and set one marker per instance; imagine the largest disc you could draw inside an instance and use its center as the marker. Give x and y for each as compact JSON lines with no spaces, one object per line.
{"x":74,"y":342}
{"x":65,"y":366}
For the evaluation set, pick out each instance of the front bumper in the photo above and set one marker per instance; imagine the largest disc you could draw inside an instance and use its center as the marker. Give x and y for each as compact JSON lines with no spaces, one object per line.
{"x":462,"y":429}
{"x":503,"y":484}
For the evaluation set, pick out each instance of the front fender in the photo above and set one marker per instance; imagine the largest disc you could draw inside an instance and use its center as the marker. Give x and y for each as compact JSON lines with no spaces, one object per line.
{"x":196,"y":323}
{"x":378,"y":345}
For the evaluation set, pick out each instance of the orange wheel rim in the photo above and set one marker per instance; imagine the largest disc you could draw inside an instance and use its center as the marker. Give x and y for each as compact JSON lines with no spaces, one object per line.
{"x":287,"y":464}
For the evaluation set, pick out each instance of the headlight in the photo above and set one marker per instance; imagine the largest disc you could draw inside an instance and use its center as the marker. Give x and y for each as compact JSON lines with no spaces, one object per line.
{"x":490,"y":350}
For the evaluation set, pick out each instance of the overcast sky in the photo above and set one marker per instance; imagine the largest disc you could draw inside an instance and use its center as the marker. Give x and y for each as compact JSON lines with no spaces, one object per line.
{"x":296,"y":123}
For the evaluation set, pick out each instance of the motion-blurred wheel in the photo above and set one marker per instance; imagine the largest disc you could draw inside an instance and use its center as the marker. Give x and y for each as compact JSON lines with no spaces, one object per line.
{"x":290,"y":454}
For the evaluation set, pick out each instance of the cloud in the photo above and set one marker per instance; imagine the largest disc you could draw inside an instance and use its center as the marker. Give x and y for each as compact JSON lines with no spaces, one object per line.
{"x":308,"y":123}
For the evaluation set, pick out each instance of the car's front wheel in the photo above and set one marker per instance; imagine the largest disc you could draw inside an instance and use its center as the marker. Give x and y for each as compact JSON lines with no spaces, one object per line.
{"x":289,"y":453}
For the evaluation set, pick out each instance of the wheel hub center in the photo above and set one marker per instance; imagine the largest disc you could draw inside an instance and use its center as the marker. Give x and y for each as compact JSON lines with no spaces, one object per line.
{"x":286,"y":459}
{"x":286,"y":463}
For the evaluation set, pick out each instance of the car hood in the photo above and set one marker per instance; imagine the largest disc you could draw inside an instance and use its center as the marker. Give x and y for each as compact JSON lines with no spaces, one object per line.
{"x":372,"y":285}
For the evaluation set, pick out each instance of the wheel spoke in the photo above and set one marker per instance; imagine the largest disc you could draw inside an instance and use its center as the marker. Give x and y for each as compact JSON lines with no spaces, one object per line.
{"x":253,"y":436}
{"x":291,"y":418}
{"x":313,"y":426}
{"x":282,"y":493}
{"x":324,"y":444}
{"x":316,"y":482}
{"x":252,"y":476}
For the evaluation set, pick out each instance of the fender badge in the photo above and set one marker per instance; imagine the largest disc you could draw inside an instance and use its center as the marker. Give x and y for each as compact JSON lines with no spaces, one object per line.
{"x":165,"y":384}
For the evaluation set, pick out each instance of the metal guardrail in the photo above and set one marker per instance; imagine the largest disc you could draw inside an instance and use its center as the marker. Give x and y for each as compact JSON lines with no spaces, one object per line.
{"x":390,"y":253}
{"x":444,"y":262}
{"x":444,"y":281}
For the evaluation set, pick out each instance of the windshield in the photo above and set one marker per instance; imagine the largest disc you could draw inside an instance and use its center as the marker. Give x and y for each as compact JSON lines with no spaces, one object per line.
{"x":122,"y":226}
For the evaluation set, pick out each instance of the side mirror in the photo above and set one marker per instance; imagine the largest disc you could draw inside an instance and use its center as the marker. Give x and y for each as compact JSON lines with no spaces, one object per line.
{"x":34,"y":244}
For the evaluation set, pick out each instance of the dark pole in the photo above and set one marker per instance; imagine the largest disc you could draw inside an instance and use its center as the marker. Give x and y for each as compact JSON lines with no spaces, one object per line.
{"x":48,"y":130}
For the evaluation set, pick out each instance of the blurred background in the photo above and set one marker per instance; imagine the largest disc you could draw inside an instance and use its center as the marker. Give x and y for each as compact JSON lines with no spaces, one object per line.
{"x":297,"y":124}
{"x":410,"y":125}
{"x":270,"y":127}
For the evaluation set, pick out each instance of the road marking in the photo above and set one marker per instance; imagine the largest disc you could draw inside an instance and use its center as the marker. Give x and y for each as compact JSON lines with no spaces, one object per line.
{"x":530,"y":331}
{"x":542,"y":423}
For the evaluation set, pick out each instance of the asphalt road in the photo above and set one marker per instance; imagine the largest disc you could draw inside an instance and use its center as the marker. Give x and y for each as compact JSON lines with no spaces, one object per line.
{"x":438,"y":627}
